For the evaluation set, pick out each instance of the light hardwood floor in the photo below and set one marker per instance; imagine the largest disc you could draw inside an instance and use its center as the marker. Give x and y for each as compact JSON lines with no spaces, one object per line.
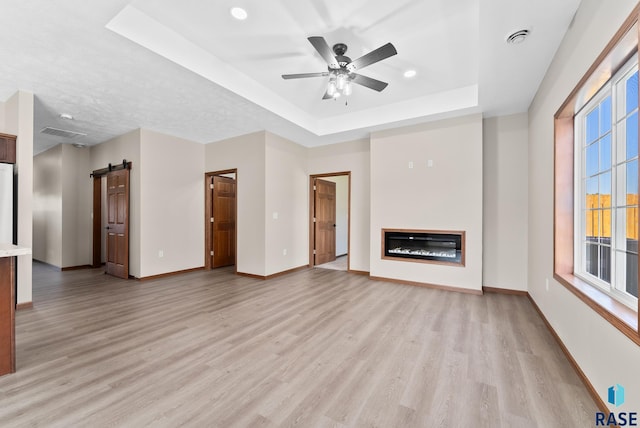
{"x":340,"y":263}
{"x":316,"y":348}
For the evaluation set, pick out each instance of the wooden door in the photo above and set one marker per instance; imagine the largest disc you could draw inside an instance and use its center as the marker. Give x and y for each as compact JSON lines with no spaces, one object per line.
{"x":325,"y":221}
{"x":223,"y":221}
{"x":118,"y":223}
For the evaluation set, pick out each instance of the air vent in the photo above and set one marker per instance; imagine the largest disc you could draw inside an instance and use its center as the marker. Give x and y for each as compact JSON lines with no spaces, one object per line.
{"x":61,"y":132}
{"x":517,"y":37}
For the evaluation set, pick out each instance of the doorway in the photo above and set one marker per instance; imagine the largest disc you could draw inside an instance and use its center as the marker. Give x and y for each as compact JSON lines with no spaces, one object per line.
{"x":111,"y":188}
{"x":221,"y":218}
{"x":330,"y":220}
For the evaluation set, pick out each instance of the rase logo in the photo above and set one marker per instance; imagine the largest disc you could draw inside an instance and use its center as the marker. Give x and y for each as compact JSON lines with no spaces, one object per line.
{"x":615,"y":397}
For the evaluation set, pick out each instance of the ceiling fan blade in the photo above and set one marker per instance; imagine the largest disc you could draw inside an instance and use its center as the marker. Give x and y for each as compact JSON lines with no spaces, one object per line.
{"x":324,"y":50}
{"x":372,"y":57}
{"x":370,"y":83}
{"x":304,"y":75}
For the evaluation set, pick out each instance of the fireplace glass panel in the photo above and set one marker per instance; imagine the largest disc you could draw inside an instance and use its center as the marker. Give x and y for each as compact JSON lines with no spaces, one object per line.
{"x":427,"y":246}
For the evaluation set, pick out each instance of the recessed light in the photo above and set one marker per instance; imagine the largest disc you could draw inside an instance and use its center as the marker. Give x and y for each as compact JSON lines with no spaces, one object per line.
{"x":410,"y":73}
{"x":239,"y":13}
{"x":66,"y":116}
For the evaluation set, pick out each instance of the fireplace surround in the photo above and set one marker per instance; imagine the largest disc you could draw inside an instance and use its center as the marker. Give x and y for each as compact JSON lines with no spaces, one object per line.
{"x":424,"y":246}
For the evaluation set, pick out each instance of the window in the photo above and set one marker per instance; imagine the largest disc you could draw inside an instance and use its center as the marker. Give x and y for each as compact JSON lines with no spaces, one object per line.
{"x":606,"y":188}
{"x":595,"y":200}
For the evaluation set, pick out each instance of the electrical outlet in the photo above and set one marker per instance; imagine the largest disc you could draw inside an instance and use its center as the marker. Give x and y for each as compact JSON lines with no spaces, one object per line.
{"x":284,"y":252}
{"x":430,"y":163}
{"x":160,"y":253}
{"x":547,"y":283}
{"x":411,"y":165}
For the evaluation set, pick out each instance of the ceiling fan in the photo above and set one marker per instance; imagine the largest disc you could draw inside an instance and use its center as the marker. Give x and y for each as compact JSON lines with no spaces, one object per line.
{"x":342,"y":70}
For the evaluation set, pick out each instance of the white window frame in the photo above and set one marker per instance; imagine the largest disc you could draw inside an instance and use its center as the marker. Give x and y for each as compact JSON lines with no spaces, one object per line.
{"x":609,"y":89}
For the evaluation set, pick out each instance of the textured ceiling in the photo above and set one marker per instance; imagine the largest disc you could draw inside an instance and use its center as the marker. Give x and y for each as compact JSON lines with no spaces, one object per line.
{"x":189,"y":69}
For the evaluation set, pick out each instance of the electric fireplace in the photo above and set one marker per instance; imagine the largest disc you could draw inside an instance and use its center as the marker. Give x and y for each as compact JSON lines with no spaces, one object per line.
{"x":426,"y":246}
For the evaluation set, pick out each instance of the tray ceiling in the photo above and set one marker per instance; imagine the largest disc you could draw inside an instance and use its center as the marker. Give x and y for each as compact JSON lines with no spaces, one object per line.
{"x":190,"y":69}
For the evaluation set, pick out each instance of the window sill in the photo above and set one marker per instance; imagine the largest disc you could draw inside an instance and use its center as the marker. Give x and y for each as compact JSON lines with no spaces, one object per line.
{"x":619,"y":315}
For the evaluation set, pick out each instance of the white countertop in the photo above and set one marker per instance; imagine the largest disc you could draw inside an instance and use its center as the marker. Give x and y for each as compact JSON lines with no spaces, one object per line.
{"x":10,"y":250}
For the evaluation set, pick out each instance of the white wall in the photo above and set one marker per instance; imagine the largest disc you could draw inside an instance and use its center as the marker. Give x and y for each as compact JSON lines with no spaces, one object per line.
{"x":18,"y":121}
{"x":604,"y":354}
{"x":446,"y":196}
{"x":166,"y":199}
{"x":287,"y":198}
{"x":114,"y":151}
{"x":47,"y":206}
{"x":77,"y":197}
{"x":171,"y":204}
{"x":352,"y":156}
{"x":505,"y":201}
{"x":273,"y":177}
{"x":247,"y":154}
{"x":342,"y":212}
{"x":62,"y":201}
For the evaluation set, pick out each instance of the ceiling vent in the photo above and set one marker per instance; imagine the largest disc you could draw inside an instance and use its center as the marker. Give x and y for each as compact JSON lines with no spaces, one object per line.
{"x":517,"y":37}
{"x":61,"y":132}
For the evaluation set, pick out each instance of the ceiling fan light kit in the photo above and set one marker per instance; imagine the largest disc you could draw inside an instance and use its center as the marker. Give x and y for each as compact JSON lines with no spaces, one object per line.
{"x":341,"y":69}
